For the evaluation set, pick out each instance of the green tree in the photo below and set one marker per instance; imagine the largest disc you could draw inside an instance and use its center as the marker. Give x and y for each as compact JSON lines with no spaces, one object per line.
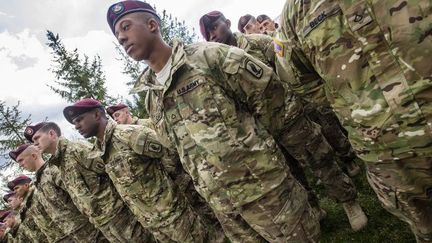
{"x":12,"y":126}
{"x":77,"y":77}
{"x":171,"y":28}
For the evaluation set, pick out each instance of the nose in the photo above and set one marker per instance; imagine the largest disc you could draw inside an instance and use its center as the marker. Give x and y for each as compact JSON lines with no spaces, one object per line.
{"x":212,"y":36}
{"x":77,"y":125}
{"x":121,"y":38}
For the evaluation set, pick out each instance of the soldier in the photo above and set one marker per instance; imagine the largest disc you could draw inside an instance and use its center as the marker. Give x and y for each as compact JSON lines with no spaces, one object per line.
{"x":208,"y":99}
{"x":247,"y":24}
{"x":13,"y":200}
{"x":121,"y":114}
{"x":89,"y":186}
{"x":132,"y":161}
{"x":171,"y":162}
{"x":58,"y":217}
{"x":267,"y":25}
{"x":25,"y":227}
{"x":20,"y":184}
{"x":216,"y":27}
{"x":374,"y":58}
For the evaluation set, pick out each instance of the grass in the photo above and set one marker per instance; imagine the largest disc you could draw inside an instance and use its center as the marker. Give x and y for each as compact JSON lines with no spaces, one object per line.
{"x":382,"y":226}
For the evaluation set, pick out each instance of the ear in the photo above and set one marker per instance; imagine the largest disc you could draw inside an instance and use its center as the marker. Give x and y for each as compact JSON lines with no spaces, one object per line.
{"x":228,"y":23}
{"x":152,"y":24}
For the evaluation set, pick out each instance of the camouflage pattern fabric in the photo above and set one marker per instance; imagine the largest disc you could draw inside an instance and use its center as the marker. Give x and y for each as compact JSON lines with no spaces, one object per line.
{"x":66,"y":221}
{"x":374,"y":57}
{"x":132,"y":157}
{"x":94,"y":195}
{"x":324,"y":165}
{"x":204,"y":108}
{"x":27,"y":227}
{"x":257,"y":45}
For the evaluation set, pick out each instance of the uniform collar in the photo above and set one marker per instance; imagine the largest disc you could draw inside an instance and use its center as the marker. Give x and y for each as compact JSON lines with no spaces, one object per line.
{"x":242,"y":41}
{"x":99,"y":148}
{"x":147,"y":81}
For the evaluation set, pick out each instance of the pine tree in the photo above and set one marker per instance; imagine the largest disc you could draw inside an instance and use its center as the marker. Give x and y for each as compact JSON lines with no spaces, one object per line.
{"x":171,"y":28}
{"x":77,"y":77}
{"x":12,"y":127}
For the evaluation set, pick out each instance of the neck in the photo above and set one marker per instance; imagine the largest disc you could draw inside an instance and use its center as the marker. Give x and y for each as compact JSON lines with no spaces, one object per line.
{"x":159,"y":57}
{"x":101,"y":130}
{"x":39,"y":163}
{"x":232,"y":40}
{"x":52,"y":149}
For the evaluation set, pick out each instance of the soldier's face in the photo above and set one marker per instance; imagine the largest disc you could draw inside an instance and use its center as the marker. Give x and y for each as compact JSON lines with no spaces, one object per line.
{"x":267,"y":27}
{"x":220,"y":31}
{"x":86,"y":124}
{"x":21,"y":189}
{"x":14,"y":202}
{"x":252,"y":27}
{"x":27,"y":161}
{"x":122,"y":116}
{"x":44,"y":140}
{"x":136,"y":34}
{"x":10,"y":221}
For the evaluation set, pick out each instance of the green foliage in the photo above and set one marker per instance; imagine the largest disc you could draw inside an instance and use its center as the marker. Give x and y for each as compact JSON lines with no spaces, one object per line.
{"x":12,"y":127}
{"x":77,"y":77}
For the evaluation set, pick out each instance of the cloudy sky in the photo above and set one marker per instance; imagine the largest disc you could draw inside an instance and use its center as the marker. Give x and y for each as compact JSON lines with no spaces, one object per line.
{"x":25,"y":60}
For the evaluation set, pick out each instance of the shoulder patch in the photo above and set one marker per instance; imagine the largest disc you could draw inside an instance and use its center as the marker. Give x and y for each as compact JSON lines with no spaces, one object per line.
{"x":154,"y":147}
{"x":278,"y":47}
{"x":254,"y":69}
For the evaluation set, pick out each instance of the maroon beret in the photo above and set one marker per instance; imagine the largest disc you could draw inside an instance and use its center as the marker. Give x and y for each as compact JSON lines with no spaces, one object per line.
{"x":120,"y":9}
{"x":3,"y":214}
{"x":207,"y":20}
{"x":262,"y":17}
{"x":22,"y":179}
{"x":243,"y":21}
{"x":31,"y":130}
{"x":7,"y":196}
{"x":15,"y":153}
{"x":80,"y":107}
{"x":111,"y":109}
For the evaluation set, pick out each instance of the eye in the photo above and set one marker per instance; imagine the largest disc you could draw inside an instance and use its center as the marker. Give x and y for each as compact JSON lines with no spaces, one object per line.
{"x":125,"y":27}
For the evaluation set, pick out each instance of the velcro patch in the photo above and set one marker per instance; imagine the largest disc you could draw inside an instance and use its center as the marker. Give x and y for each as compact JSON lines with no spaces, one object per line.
{"x":254,"y":69}
{"x":154,"y":147}
{"x":320,"y":18}
{"x":278,"y":47}
{"x":189,"y":86}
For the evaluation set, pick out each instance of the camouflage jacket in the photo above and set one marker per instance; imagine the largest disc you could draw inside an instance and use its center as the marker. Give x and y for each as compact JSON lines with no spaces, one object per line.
{"x":375,"y":59}
{"x":132,"y":160}
{"x":293,"y":67}
{"x":206,"y":108}
{"x":86,"y":182}
{"x":67,"y":221}
{"x":27,"y":216}
{"x":258,"y":46}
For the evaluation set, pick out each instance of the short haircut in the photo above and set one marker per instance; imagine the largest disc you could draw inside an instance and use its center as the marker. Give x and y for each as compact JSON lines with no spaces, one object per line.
{"x":147,"y":16}
{"x":51,"y":126}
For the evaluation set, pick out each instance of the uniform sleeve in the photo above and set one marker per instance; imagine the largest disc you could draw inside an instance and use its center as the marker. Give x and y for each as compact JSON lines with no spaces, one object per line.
{"x":259,"y":88}
{"x":274,"y":105}
{"x":143,"y":141}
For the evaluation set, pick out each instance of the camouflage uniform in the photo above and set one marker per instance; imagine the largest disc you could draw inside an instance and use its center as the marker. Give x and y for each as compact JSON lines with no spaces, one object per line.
{"x":94,"y":195}
{"x":374,"y":57}
{"x":27,"y":229}
{"x":132,"y":160}
{"x":173,"y":167}
{"x":339,"y":186}
{"x":67,"y":224}
{"x":293,"y":67}
{"x":208,"y":105}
